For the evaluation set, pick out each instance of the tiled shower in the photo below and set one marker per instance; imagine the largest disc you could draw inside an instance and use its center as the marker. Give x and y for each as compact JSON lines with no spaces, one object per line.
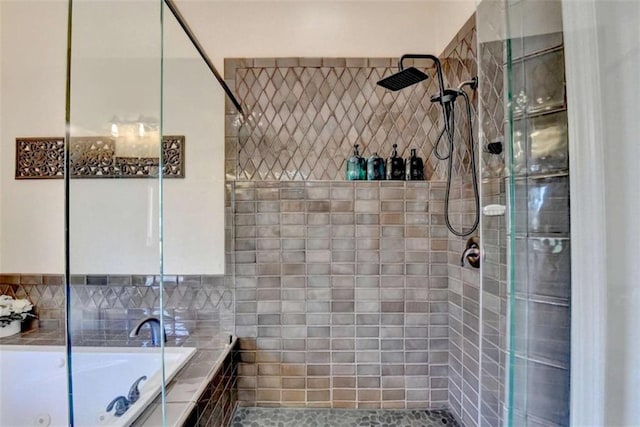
{"x":350,"y":295}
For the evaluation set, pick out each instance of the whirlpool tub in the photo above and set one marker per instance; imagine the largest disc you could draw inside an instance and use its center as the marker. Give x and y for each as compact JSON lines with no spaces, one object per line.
{"x":33,"y":383}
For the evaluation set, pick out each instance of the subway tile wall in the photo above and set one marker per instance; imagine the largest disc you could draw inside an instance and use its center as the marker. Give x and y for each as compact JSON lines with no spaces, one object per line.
{"x":463,"y":282}
{"x":464,"y":313}
{"x":341,"y":293}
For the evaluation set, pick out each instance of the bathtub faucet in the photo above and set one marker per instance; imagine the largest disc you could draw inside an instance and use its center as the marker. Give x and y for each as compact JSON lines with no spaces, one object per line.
{"x":154,"y":324}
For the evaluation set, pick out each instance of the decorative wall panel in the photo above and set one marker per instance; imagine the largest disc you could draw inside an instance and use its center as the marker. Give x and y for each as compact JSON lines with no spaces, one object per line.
{"x":93,"y":157}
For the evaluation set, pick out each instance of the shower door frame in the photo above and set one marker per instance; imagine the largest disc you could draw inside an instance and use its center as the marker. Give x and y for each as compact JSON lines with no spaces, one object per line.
{"x":588,"y":217}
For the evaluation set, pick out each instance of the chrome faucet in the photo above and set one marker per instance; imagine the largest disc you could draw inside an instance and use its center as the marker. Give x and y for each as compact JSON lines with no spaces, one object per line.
{"x":156,"y":333}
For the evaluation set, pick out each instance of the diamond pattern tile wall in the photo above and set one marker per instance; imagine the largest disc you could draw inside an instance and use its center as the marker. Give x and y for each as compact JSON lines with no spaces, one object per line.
{"x":459,"y":64}
{"x":491,"y":112}
{"x":305,"y":119}
{"x":207,"y":297}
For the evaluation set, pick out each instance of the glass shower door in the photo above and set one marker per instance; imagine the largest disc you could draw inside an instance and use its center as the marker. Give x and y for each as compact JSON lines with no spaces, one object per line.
{"x":113,"y":212}
{"x":526,"y":281}
{"x":537,"y":183}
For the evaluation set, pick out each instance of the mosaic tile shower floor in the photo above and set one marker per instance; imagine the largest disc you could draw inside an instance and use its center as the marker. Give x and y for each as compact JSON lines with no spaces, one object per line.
{"x":311,"y":417}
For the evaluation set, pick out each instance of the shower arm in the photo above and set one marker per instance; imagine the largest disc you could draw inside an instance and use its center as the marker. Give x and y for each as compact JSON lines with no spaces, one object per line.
{"x":446,"y":106}
{"x":185,"y":27}
{"x":435,"y":61}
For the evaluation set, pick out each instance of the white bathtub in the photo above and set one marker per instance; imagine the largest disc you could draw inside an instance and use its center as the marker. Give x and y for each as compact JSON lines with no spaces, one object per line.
{"x":33,"y":383}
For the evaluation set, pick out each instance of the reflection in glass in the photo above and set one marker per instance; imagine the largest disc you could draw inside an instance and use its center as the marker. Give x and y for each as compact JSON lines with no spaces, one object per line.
{"x":548,"y":143}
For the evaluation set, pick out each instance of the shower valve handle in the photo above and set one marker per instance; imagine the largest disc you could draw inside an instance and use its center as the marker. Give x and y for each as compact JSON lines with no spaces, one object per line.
{"x":471,"y":253}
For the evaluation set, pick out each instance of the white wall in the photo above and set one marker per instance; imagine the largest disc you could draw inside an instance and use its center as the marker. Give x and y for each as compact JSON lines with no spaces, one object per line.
{"x":0,"y":131}
{"x":114,"y":223}
{"x":619,"y":49}
{"x":602,"y":45}
{"x":31,"y":235}
{"x":32,"y":90}
{"x":324,"y":28}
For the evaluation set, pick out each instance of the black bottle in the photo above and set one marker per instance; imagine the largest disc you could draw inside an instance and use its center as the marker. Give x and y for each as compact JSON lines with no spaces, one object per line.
{"x":375,"y":168}
{"x":395,"y":165}
{"x":415,"y":167}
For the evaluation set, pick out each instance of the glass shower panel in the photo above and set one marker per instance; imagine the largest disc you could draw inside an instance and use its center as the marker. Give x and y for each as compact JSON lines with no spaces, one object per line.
{"x":114,"y":195}
{"x":200,"y":303}
{"x":525,"y":301}
{"x":538,"y":246}
{"x":491,"y":53}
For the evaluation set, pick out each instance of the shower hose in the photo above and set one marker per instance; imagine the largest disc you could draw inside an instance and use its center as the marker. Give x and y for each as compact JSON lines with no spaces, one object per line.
{"x":449,"y":117}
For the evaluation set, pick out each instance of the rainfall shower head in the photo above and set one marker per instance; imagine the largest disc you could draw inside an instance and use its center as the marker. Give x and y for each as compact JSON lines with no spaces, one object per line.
{"x":402,"y":79}
{"x":409,"y":76}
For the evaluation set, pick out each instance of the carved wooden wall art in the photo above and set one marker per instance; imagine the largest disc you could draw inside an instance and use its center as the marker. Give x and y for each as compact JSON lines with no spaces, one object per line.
{"x":94,"y":157}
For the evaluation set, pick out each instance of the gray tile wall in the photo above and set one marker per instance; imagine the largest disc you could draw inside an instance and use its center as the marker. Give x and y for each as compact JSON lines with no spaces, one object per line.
{"x":493,"y":339}
{"x":464,"y":316}
{"x":307,"y":113}
{"x":342,"y":288}
{"x":341,"y":293}
{"x":46,"y":293}
{"x":494,"y":307}
{"x":463,"y":282}
{"x":198,"y":309}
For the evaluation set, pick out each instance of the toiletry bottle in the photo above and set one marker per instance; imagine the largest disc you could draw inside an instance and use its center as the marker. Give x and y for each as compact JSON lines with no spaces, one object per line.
{"x":375,"y":168}
{"x":395,"y":165}
{"x":356,"y":166}
{"x":415,"y":167}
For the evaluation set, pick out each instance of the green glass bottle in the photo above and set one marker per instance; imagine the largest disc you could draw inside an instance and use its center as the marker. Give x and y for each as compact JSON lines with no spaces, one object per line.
{"x":375,"y":168}
{"x":356,"y":166}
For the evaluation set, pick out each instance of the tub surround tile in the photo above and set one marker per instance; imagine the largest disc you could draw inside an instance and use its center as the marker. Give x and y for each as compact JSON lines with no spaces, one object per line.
{"x":202,"y":394}
{"x":106,"y":306}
